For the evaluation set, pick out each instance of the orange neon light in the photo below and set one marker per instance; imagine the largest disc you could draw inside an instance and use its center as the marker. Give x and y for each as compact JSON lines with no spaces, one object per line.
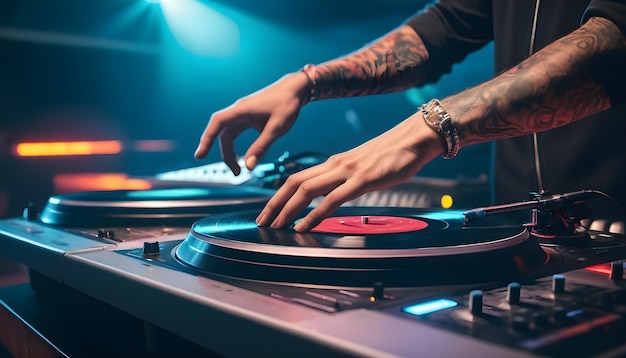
{"x":43,"y":149}
{"x":73,"y":182}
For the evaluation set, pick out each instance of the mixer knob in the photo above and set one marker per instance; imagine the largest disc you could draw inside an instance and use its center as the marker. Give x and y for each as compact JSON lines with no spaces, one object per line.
{"x":378,"y":292}
{"x":476,"y":302}
{"x":513,"y":291}
{"x":151,"y":248}
{"x":558,"y":283}
{"x":617,"y":270}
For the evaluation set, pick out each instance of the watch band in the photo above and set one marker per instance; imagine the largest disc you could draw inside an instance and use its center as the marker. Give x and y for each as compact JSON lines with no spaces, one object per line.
{"x":440,"y":121}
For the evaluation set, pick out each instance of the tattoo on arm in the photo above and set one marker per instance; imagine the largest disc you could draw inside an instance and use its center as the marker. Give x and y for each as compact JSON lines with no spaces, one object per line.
{"x":391,"y":64}
{"x":552,"y":88}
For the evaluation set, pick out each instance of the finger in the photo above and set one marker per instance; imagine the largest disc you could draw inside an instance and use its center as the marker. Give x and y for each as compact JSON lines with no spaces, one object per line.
{"x":307,"y":191}
{"x":206,"y":142}
{"x":227,"y":148}
{"x":276,"y":202}
{"x":600,"y":225}
{"x":207,"y":139}
{"x":286,"y":191}
{"x":617,"y":227}
{"x":276,"y":127}
{"x":333,"y":200}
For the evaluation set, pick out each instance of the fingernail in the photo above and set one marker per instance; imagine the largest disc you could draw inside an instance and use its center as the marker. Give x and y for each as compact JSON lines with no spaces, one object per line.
{"x":277,"y":224}
{"x":251,"y":162}
{"x":259,"y":220}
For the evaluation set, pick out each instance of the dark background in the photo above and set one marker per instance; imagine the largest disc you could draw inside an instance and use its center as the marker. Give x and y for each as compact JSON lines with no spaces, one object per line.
{"x":132,"y":70}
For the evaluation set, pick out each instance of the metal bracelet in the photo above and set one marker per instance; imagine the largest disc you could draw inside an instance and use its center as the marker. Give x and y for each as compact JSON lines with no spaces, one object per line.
{"x":439,"y":120}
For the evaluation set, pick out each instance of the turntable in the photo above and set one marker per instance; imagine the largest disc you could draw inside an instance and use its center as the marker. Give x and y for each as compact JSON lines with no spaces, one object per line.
{"x":173,"y":206}
{"x":99,"y":220}
{"x":358,"y":246}
{"x":368,"y":281}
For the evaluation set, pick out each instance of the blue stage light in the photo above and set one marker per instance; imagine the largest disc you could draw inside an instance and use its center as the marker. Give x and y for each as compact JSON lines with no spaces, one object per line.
{"x":200,"y":29}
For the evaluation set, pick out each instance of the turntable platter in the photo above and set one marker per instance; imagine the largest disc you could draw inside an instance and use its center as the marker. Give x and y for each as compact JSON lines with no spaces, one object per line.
{"x":149,"y":207}
{"x":433,"y":247}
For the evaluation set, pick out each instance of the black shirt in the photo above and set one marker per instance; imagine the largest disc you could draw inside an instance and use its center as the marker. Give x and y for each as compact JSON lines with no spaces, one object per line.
{"x":588,"y":154}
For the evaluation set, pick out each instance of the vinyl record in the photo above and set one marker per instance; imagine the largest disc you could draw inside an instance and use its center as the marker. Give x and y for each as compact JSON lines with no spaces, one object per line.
{"x":358,"y":246}
{"x":149,"y":207}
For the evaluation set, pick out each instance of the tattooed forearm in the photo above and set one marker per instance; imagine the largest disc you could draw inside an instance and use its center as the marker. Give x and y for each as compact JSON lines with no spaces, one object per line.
{"x":552,"y":88}
{"x":391,"y":64}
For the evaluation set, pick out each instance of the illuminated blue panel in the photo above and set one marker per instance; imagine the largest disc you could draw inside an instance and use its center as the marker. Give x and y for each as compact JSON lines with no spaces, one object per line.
{"x":175,"y":193}
{"x":444,"y":215}
{"x":429,"y":307}
{"x":574,"y":313}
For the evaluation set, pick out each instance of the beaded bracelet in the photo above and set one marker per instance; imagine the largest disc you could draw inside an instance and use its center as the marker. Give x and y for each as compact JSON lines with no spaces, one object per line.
{"x":439,"y":120}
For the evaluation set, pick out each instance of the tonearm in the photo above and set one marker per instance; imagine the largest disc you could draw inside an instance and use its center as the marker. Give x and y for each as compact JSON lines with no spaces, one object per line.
{"x":552,"y":214}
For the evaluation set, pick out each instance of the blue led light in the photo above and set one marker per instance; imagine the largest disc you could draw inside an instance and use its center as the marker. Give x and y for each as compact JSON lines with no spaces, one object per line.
{"x":575,"y":313}
{"x":429,"y":306}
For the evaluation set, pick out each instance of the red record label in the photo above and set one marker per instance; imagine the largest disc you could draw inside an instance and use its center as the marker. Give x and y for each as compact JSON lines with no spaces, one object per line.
{"x":368,"y":225}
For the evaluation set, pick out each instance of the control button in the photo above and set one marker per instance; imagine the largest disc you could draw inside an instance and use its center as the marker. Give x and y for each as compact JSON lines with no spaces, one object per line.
{"x":151,"y":248}
{"x":476,"y":302}
{"x":558,"y":283}
{"x":617,"y":270}
{"x":513,"y":291}
{"x":108,"y":234}
{"x":30,"y":212}
{"x":378,"y":292}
